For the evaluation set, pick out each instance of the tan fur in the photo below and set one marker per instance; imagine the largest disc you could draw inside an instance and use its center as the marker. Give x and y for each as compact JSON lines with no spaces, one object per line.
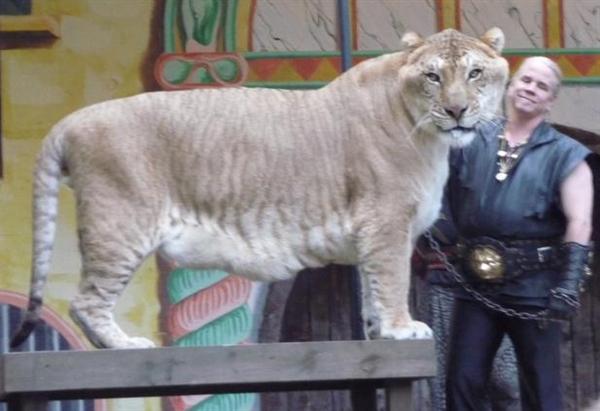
{"x":264,"y":183}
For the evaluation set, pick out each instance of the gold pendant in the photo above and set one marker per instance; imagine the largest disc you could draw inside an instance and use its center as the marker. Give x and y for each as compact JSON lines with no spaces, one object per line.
{"x":501,"y":176}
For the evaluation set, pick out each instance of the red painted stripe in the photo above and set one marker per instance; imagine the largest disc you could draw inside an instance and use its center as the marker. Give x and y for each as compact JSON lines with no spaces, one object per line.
{"x":207,"y":305}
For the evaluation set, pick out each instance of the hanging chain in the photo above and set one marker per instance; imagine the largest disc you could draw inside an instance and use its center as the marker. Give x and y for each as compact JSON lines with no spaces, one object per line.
{"x":542,"y":315}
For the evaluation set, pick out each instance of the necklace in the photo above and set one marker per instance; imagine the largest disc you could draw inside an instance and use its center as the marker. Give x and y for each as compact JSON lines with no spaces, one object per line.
{"x":507,"y":157}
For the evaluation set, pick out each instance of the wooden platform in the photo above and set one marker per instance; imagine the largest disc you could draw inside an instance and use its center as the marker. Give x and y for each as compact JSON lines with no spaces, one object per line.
{"x":29,"y":380}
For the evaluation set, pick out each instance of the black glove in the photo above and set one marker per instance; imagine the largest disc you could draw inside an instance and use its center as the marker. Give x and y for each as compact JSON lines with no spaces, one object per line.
{"x":564,"y":297}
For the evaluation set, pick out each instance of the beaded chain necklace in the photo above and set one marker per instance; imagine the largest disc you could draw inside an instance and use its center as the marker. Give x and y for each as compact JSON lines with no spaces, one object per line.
{"x":507,"y":157}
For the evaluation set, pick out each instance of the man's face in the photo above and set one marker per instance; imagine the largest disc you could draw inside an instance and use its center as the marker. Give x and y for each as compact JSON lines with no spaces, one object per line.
{"x":532,"y":89}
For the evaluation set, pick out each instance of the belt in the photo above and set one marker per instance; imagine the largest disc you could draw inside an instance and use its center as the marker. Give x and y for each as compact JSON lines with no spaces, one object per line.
{"x":433,"y":261}
{"x":490,"y":259}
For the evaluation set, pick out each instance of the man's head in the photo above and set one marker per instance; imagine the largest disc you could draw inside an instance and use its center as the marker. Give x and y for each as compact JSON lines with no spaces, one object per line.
{"x":534,"y":87}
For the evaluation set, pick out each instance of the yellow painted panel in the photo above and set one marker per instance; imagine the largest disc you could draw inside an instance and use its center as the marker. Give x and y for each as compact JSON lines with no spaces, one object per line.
{"x":100,"y":55}
{"x":15,"y":24}
{"x":242,"y":25}
{"x":553,"y":23}
{"x":447,"y":18}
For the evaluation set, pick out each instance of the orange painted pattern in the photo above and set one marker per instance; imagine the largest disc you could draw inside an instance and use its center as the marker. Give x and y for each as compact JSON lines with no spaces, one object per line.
{"x":572,"y":65}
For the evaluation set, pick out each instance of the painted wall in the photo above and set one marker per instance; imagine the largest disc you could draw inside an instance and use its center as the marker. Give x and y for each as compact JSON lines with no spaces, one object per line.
{"x":110,"y":48}
{"x":96,"y":57}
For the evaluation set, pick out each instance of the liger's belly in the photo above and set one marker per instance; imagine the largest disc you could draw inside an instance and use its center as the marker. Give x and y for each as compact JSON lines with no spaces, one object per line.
{"x":274,"y":253}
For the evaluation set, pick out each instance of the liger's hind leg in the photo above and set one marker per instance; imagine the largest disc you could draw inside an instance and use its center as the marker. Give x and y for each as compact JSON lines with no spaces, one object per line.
{"x":108,"y":265}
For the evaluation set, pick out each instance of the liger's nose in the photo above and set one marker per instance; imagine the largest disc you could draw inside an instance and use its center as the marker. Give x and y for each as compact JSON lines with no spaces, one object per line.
{"x":456,"y":111}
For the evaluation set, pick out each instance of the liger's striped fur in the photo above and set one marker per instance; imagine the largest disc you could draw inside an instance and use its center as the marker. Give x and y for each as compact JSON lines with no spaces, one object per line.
{"x":264,"y":183}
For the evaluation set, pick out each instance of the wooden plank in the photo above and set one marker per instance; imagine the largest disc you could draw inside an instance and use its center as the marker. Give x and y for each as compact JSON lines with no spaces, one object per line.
{"x":276,"y":297}
{"x":583,"y":354}
{"x":318,"y":303}
{"x":398,"y":396}
{"x":295,"y":324}
{"x":330,"y":285}
{"x":595,"y":319}
{"x":29,"y":403}
{"x":270,"y":332}
{"x":364,"y":398}
{"x":340,"y":303}
{"x":568,"y":375}
{"x":177,"y":370}
{"x":594,"y":283}
{"x":340,"y":327}
{"x":30,"y":24}
{"x":28,"y":31}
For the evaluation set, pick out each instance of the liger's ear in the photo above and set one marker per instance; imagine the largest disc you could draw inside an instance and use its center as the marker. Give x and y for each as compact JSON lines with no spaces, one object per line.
{"x":411,"y":40}
{"x":494,"y":38}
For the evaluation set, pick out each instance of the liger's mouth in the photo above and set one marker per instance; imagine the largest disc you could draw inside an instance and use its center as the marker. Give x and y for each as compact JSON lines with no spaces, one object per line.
{"x":461,"y":136}
{"x":461,"y":129}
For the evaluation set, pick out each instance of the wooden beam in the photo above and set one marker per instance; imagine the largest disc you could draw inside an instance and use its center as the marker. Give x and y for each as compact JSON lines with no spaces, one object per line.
{"x":28,"y":31}
{"x":29,"y":24}
{"x":246,"y":368}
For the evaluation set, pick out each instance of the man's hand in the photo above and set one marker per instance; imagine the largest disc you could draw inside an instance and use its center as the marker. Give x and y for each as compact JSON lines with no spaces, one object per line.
{"x":563,"y":301}
{"x":563,"y":304}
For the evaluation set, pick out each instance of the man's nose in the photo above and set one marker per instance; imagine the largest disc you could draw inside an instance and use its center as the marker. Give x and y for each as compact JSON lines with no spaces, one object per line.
{"x":530,"y":88}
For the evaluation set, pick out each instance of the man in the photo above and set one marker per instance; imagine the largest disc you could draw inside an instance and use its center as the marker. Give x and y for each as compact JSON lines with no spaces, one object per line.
{"x":521,"y":198}
{"x":434,"y":296}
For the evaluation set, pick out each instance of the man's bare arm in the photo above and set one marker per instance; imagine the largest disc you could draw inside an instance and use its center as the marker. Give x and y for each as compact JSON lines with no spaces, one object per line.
{"x":577,"y":196}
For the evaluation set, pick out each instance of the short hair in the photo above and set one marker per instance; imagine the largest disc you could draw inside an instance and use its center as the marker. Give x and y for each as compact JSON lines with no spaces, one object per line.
{"x":551,"y":64}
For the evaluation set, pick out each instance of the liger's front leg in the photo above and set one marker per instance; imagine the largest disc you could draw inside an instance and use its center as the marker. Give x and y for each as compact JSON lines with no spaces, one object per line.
{"x":385,"y":274}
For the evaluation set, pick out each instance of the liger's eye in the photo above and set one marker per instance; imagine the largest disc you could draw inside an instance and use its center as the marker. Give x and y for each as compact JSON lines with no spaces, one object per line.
{"x":433,"y":77}
{"x":475,"y":73}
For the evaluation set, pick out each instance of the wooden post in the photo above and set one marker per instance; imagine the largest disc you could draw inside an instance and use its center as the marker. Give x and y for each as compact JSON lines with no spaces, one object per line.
{"x":28,"y":403}
{"x":398,"y":395}
{"x":364,"y":397}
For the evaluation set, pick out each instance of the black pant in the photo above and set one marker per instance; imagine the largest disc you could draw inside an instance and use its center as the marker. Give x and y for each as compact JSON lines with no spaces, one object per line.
{"x":476,"y":334}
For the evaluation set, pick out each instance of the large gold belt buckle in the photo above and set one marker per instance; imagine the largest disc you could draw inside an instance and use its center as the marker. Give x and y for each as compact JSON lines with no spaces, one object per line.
{"x":486,"y":262}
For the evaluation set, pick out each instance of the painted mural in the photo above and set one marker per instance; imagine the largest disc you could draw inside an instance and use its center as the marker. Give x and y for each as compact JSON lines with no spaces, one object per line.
{"x":59,"y":55}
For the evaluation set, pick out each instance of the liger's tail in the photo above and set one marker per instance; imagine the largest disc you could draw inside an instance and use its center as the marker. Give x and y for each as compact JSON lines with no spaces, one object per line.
{"x":47,"y":178}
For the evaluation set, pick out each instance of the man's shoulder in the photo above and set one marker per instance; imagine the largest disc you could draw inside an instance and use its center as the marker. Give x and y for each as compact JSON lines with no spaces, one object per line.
{"x":565,"y":141}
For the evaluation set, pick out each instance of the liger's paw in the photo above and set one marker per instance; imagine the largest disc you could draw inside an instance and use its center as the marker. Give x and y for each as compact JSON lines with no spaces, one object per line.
{"x":372,"y":328}
{"x":412,"y":331}
{"x":137,"y":342}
